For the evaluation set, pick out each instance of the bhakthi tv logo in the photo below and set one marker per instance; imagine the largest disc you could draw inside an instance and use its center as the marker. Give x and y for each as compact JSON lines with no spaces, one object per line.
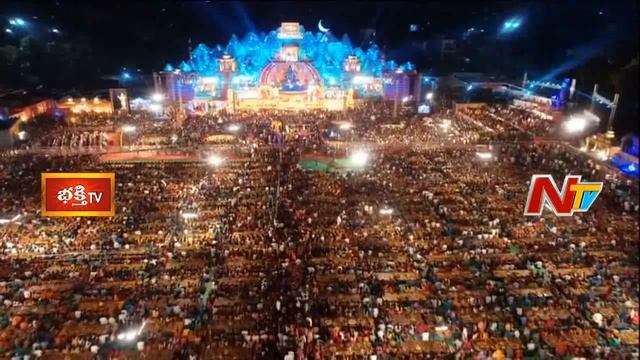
{"x":576,"y":196}
{"x":78,"y":194}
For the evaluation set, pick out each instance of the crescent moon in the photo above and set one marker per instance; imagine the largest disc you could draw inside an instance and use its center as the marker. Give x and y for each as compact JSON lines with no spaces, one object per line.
{"x":322,"y":28}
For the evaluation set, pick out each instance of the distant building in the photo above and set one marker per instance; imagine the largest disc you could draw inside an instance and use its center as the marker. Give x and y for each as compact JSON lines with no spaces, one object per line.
{"x":19,"y":106}
{"x":24,"y":105}
{"x":70,"y":105}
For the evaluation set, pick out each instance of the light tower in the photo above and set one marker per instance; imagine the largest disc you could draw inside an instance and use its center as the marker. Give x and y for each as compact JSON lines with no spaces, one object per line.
{"x":612,"y":104}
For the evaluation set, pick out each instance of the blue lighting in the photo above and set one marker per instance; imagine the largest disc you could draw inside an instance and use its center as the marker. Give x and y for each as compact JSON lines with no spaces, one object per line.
{"x":424,"y":109}
{"x":168,"y":68}
{"x":407,"y":66}
{"x":126,"y":75}
{"x":17,"y":21}
{"x":624,"y":165}
{"x":631,"y":169}
{"x":469,"y":87}
{"x":631,"y":145}
{"x":324,"y":51}
{"x":185,"y":67}
{"x":511,"y":25}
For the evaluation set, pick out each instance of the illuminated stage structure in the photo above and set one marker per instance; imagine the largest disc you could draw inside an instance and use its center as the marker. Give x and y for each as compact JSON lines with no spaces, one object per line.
{"x":285,"y":69}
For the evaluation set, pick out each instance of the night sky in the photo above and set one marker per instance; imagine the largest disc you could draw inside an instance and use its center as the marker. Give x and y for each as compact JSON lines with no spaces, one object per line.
{"x":588,"y":40}
{"x":147,"y":34}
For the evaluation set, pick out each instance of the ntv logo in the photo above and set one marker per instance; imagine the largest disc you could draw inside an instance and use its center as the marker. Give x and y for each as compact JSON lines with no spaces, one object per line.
{"x":575,"y":197}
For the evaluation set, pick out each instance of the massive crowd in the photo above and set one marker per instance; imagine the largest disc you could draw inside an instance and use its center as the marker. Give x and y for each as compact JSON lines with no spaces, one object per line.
{"x":421,"y":253}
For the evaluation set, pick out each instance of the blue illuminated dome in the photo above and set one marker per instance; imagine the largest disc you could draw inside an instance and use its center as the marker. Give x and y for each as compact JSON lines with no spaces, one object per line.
{"x":324,"y":52}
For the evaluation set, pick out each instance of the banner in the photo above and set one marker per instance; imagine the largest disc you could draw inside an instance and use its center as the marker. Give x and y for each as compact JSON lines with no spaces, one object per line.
{"x":119,"y":100}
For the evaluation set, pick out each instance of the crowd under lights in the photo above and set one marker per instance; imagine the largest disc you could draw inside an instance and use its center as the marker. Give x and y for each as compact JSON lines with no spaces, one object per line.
{"x":445,"y":124}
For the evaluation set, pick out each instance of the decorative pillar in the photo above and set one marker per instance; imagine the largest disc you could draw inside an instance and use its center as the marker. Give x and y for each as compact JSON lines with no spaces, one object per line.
{"x":351,"y":66}
{"x":228,"y":66}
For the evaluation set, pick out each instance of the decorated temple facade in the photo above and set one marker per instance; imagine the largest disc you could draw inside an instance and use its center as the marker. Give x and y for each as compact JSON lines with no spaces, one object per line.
{"x":286,"y":68}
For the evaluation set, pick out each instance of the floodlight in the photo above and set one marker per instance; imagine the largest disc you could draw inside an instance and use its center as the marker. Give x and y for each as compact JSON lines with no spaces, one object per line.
{"x":359,"y":158}
{"x":215,"y":160}
{"x":575,"y":124}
